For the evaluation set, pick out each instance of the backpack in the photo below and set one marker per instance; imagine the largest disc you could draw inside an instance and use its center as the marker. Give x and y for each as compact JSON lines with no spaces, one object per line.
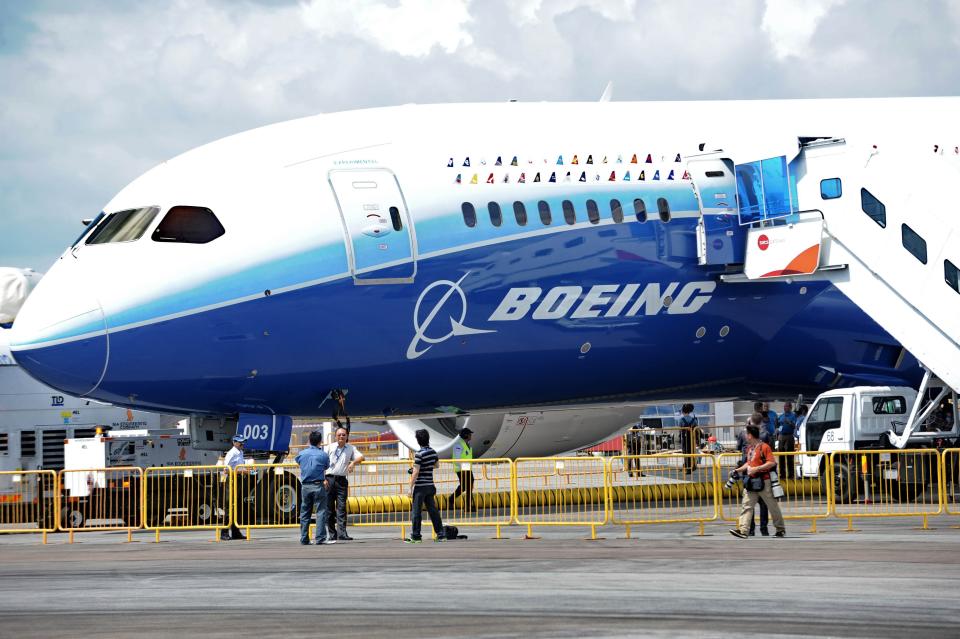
{"x":452,"y":532}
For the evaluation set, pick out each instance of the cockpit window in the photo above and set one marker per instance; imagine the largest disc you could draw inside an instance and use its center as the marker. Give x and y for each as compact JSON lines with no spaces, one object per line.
{"x":123,"y":226}
{"x":188,"y":224}
{"x":89,"y":227}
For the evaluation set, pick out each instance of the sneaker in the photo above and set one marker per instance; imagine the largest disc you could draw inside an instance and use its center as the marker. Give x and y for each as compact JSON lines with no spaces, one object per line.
{"x":765,"y":532}
{"x":344,"y":537}
{"x":736,"y":533}
{"x":327,"y":542}
{"x":438,"y":539}
{"x":780,"y":533}
{"x":412,"y":540}
{"x":240,"y":537}
{"x":224,"y":536}
{"x":753,"y":533}
{"x":305,"y":542}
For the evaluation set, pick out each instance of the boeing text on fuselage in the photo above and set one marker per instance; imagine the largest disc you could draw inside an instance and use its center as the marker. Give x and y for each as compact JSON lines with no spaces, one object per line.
{"x":558,"y":302}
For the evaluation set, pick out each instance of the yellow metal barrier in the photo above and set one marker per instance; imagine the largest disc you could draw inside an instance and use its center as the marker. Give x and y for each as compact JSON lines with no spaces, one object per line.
{"x":100,"y":499}
{"x":267,"y":496}
{"x":482,"y":501}
{"x":28,"y":501}
{"x":951,"y":481}
{"x":187,"y":498}
{"x":657,"y":489}
{"x":887,"y":483}
{"x":542,"y":495}
{"x":379,"y":494}
{"x":804,"y":497}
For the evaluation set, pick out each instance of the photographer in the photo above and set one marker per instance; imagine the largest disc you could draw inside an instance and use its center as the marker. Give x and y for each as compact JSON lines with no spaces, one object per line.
{"x":756,"y":484}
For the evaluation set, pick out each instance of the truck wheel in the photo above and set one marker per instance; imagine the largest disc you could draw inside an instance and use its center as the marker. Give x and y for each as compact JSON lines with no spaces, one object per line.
{"x":72,"y":517}
{"x":843,"y":489}
{"x":286,"y":502}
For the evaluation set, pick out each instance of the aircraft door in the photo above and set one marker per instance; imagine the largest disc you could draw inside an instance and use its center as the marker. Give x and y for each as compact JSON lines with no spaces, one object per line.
{"x":720,"y":238}
{"x":381,"y":245}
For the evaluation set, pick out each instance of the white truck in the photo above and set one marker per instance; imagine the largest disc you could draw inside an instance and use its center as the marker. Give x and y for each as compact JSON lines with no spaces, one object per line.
{"x":872,"y":418}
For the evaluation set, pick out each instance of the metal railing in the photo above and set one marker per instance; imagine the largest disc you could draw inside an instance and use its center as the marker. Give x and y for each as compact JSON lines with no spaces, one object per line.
{"x":28,"y":501}
{"x":266,"y":496}
{"x":950,"y":480}
{"x":467,"y":498}
{"x":804,"y":497}
{"x":187,"y":498}
{"x":886,"y":483}
{"x":100,"y":499}
{"x":543,"y":496}
{"x":662,"y":489}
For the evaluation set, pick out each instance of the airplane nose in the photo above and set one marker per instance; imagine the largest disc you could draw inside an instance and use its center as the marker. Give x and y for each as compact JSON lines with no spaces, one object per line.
{"x":59,"y":337}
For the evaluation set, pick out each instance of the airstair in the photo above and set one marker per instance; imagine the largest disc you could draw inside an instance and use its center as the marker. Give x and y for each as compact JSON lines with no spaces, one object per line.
{"x":884,"y":228}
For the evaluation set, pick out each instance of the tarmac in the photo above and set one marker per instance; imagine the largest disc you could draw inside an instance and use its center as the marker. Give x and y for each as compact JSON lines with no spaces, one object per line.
{"x":889,"y":579}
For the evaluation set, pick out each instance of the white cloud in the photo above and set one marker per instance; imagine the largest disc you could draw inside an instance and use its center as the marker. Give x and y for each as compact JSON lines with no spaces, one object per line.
{"x":791,"y":24}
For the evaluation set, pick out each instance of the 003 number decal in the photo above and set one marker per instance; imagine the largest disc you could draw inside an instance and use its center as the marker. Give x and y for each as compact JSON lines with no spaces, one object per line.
{"x":256,"y":431}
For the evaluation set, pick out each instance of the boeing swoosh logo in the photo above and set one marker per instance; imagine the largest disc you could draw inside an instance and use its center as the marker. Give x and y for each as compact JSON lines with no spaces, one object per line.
{"x":457,"y":327}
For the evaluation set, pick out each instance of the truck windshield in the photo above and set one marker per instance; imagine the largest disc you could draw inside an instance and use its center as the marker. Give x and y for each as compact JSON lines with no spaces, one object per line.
{"x":824,"y":416}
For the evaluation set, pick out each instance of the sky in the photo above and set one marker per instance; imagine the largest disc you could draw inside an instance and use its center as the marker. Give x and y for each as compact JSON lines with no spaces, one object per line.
{"x":95,"y":93}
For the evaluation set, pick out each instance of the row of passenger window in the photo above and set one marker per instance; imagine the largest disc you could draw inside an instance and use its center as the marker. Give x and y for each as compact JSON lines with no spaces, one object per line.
{"x":832,"y":188}
{"x":568,"y":209}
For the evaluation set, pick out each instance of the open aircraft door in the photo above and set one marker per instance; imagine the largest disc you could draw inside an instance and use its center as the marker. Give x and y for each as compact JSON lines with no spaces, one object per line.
{"x":381,"y":244}
{"x":720,"y":238}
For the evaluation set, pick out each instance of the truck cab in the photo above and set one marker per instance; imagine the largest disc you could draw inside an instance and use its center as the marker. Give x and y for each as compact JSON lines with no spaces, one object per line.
{"x":861,"y":418}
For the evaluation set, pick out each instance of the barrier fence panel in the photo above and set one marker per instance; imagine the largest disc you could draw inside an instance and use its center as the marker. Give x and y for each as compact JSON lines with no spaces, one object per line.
{"x":28,"y":501}
{"x":267,"y":496}
{"x":951,"y":481}
{"x":471,"y":493}
{"x":662,"y":489}
{"x":887,"y":483}
{"x":100,"y":499}
{"x":186,"y":498}
{"x":380,"y":495}
{"x":545,"y":493}
{"x":805,"y":496}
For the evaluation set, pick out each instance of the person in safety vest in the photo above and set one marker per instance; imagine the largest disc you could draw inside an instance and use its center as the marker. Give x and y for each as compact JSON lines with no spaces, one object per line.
{"x":463,"y":452}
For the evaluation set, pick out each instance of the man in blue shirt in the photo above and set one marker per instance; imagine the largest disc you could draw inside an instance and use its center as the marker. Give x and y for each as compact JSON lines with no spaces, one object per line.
{"x":786,"y":440}
{"x":313,"y":489}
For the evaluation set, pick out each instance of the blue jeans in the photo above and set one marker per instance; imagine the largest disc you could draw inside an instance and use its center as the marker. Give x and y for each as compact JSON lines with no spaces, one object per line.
{"x":313,"y":496}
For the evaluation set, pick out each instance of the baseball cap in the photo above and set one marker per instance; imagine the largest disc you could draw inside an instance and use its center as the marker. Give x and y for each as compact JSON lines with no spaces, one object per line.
{"x":239,"y":438}
{"x":465,"y":431}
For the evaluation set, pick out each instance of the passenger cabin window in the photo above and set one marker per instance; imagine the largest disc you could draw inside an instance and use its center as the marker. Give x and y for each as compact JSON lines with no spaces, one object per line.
{"x":469,"y":214}
{"x":895,"y":405}
{"x":395,"y":218}
{"x":873,"y":207}
{"x":569,"y":214}
{"x":496,"y":214}
{"x":188,"y":225}
{"x":593,"y":213}
{"x":123,"y":226}
{"x":663,"y":207}
{"x":831,"y":189}
{"x":914,"y":243}
{"x":825,"y":416}
{"x":520,"y":212}
{"x":952,"y":275}
{"x":616,"y":211}
{"x":640,"y":209}
{"x":544,"y":207}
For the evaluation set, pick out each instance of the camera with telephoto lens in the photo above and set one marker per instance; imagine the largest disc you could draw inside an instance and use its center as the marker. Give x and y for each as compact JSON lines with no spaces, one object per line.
{"x":775,"y":485}
{"x":732,"y":478}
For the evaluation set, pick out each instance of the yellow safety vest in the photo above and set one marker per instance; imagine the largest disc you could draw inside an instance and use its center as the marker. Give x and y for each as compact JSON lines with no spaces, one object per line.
{"x":465,"y":453}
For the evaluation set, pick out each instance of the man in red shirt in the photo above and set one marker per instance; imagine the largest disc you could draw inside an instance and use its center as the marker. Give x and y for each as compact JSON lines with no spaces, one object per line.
{"x":760,"y":462}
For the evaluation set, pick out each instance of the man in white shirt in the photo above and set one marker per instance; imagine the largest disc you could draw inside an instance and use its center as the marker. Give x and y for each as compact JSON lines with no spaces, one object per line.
{"x":233,"y":459}
{"x":343,"y":457}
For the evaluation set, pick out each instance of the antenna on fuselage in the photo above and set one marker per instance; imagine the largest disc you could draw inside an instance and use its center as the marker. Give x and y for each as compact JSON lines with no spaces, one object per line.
{"x":607,"y":92}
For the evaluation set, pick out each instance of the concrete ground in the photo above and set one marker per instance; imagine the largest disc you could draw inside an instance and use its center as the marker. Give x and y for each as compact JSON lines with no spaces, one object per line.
{"x":887,"y":580}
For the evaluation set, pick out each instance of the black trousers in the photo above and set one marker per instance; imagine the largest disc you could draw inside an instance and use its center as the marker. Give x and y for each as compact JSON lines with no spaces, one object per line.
{"x":786,"y":462}
{"x":764,"y":518}
{"x":424,"y":496}
{"x":337,"y":506}
{"x":465,"y":488}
